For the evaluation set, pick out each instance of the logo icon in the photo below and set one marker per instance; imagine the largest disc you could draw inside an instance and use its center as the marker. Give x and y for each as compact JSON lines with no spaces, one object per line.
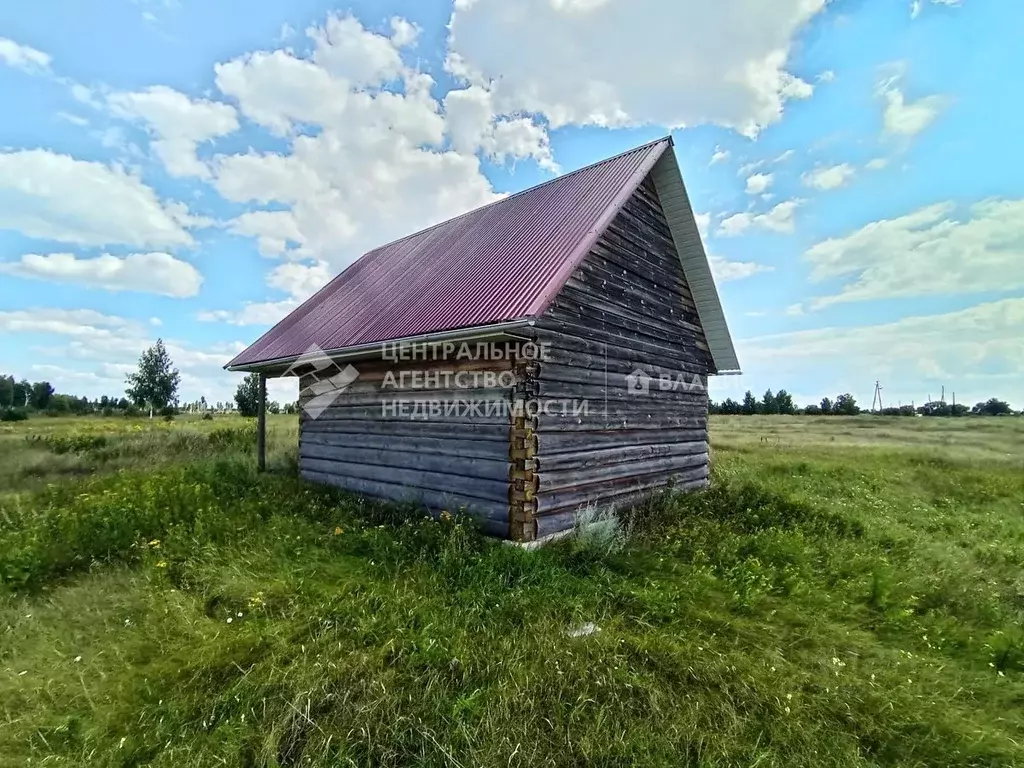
{"x":327,"y":380}
{"x":638,"y":382}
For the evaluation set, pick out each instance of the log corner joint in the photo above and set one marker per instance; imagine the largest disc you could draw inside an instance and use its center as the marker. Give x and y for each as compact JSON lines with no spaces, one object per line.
{"x":523,"y":481}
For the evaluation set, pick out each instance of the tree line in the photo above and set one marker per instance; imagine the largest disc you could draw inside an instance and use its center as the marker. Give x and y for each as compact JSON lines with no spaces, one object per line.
{"x":152,"y":389}
{"x":781,"y":403}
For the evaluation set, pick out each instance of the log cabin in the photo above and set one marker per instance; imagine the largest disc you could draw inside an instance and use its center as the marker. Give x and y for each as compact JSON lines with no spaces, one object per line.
{"x":530,"y":360}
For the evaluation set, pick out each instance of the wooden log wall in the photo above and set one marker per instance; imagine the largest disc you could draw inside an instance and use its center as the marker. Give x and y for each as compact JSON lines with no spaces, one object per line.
{"x":446,"y":460}
{"x":627,"y":306}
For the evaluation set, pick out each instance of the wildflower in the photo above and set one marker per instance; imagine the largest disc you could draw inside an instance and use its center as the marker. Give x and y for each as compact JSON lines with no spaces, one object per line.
{"x":338,"y":531}
{"x":230,"y":619}
{"x":78,"y":659}
{"x":162,"y":564}
{"x":446,"y":515}
{"x":155,"y":543}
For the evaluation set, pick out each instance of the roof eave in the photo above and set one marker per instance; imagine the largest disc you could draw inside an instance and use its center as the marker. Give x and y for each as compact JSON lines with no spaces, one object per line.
{"x":493,"y":331}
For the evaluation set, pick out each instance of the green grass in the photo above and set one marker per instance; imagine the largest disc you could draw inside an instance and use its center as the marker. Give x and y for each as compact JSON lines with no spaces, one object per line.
{"x":856,"y":601}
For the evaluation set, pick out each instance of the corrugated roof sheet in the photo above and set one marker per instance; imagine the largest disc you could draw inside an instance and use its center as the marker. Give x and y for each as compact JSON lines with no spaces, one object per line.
{"x":502,"y":262}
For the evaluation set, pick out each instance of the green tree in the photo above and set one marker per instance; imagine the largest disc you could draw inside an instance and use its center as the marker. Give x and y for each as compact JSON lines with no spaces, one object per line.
{"x":749,"y":406}
{"x":826,"y":405}
{"x":247,"y":396}
{"x":60,"y":403}
{"x":6,"y":391}
{"x":42,"y":392}
{"x":992,"y":407}
{"x":784,"y":402}
{"x":155,"y":384}
{"x":22,"y":394}
{"x":768,"y":404}
{"x":846,"y":405}
{"x":730,"y":407}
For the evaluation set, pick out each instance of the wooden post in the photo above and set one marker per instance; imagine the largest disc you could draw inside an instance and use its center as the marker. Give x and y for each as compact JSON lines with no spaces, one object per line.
{"x":261,"y":425}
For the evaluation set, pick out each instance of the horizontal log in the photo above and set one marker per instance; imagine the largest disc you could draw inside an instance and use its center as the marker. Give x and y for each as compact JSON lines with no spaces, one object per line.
{"x":553,"y":376}
{"x":603,"y":423}
{"x":468,"y":487}
{"x":585,"y":476}
{"x":613,"y":306}
{"x":647,"y":409}
{"x":555,"y":522}
{"x":689,"y":390}
{"x":575,"y":351}
{"x":610,"y":254}
{"x":493,"y":516}
{"x":693,"y":353}
{"x":598,"y":268}
{"x":604,"y":263}
{"x":597,"y":494}
{"x":551,"y":444}
{"x":388,"y":412}
{"x":641,"y":225}
{"x":423,"y":461}
{"x":455,"y":446}
{"x":591,"y":458}
{"x":366,"y":397}
{"x":650,"y":299}
{"x":617,"y":324}
{"x":406,"y":428}
{"x":624,"y":245}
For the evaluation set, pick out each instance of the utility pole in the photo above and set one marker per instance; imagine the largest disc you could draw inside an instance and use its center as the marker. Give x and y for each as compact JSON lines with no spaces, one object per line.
{"x":877,"y":398}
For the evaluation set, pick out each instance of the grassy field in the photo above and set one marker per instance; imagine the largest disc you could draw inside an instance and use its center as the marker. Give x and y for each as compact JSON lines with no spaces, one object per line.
{"x":849,"y":592}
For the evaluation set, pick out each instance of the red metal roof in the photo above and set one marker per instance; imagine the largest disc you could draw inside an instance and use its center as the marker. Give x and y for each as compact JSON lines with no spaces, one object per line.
{"x":498,"y":263}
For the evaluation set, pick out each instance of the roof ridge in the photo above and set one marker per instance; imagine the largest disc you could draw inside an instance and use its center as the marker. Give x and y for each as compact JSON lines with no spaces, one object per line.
{"x":514,"y":195}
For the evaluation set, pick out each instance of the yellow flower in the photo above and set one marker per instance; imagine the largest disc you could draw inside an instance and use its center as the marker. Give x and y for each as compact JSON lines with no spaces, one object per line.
{"x":338,"y":531}
{"x":155,"y":543}
{"x":445,"y":514}
{"x":162,"y":564}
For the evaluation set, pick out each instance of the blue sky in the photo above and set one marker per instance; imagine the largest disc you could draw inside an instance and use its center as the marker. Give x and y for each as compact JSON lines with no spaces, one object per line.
{"x":194,"y":170}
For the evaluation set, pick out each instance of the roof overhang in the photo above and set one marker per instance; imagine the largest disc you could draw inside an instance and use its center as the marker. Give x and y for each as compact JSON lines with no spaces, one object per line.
{"x":676,"y":203}
{"x":376,"y":349}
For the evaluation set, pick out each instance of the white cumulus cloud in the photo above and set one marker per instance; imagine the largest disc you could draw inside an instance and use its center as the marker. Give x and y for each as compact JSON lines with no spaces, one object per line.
{"x":779,"y":219}
{"x":726,"y":271}
{"x":180,"y":124}
{"x":928,"y":252}
{"x":56,"y":197}
{"x":23,"y":57}
{"x":829,"y":177}
{"x":909,"y":118}
{"x":630,"y":63}
{"x":159,"y":273}
{"x":758,"y":183}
